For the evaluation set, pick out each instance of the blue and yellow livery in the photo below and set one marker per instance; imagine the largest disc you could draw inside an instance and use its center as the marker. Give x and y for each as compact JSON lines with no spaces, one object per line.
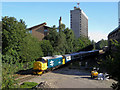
{"x":50,"y":62}
{"x":45,"y":63}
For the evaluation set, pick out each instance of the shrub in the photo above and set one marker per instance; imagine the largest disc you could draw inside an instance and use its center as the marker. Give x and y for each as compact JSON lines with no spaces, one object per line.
{"x":28,"y":84}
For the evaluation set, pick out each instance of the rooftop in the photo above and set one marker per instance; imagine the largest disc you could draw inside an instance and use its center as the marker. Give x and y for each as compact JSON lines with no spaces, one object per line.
{"x":116,"y":29}
{"x":39,"y":25}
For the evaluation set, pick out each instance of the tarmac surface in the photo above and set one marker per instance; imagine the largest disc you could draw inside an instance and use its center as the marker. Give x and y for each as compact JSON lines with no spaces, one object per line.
{"x":68,"y":78}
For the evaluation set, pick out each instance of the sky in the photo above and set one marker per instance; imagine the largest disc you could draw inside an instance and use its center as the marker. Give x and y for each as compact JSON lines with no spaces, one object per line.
{"x":102,"y":16}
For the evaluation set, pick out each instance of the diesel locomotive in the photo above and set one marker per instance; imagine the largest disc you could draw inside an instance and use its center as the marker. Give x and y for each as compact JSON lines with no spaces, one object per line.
{"x":49,"y":62}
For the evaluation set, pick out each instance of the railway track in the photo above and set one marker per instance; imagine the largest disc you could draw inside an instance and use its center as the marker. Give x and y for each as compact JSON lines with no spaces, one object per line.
{"x":23,"y":78}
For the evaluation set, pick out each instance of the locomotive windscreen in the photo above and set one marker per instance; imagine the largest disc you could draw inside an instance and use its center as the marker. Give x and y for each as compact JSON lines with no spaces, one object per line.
{"x":40,"y":59}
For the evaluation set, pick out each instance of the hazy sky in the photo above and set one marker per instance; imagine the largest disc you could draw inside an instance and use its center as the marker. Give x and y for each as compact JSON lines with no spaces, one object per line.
{"x":102,"y":16}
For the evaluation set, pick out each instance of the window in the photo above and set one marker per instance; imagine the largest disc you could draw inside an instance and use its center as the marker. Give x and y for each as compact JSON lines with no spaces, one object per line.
{"x":30,"y":31}
{"x":45,"y":30}
{"x":40,"y":59}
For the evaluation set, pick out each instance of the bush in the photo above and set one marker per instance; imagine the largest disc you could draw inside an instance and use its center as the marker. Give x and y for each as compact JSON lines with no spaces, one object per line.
{"x":8,"y":80}
{"x":28,"y":84}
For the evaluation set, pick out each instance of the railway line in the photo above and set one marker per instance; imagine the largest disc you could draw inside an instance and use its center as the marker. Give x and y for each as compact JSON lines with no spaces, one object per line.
{"x":49,"y":62}
{"x":62,"y":76}
{"x":67,"y":78}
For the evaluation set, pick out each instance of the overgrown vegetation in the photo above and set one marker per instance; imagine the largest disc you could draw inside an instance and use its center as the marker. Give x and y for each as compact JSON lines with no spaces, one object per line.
{"x":64,"y":41}
{"x":28,"y":85}
{"x":100,"y":44}
{"x":20,"y":49}
{"x":111,"y":64}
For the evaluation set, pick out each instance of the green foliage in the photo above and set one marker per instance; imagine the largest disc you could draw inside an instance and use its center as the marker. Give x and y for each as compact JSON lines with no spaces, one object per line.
{"x":100,"y":44}
{"x":46,"y":47}
{"x":52,"y":36}
{"x":64,"y":41}
{"x":30,"y":49}
{"x":61,"y":43}
{"x":112,"y":64}
{"x":93,"y":43}
{"x":57,"y":40}
{"x":13,"y":33}
{"x":20,"y":49}
{"x":107,"y":64}
{"x":61,"y":27}
{"x":80,"y":43}
{"x":28,"y":84}
{"x":116,"y":65}
{"x":8,"y":71}
{"x":69,"y":40}
{"x":18,"y":45}
{"x":8,"y":80}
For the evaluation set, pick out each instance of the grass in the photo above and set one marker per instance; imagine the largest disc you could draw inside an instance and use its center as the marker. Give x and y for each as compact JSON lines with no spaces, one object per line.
{"x":28,"y":84}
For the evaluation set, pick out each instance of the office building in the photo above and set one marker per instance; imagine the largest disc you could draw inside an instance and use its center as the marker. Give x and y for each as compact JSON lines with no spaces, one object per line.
{"x":79,"y":22}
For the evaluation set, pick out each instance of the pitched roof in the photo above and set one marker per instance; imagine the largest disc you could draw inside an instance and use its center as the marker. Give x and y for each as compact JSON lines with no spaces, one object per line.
{"x":43,"y":24}
{"x":116,"y":29}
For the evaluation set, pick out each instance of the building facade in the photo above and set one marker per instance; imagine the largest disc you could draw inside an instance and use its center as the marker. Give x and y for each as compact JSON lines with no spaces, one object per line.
{"x":112,"y":36}
{"x":79,"y":22}
{"x":39,"y":31}
{"x":115,"y":34}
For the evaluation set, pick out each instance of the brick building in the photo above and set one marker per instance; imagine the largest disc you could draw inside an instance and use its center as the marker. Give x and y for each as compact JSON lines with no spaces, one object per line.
{"x":39,"y":31}
{"x":114,"y":35}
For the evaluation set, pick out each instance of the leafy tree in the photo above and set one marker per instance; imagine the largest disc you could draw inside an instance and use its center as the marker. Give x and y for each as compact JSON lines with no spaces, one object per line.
{"x":12,"y":35}
{"x":93,"y":43}
{"x":30,"y":49}
{"x":57,"y":40}
{"x":62,"y":27}
{"x":46,"y":47}
{"x":64,"y":41}
{"x":70,"y":40}
{"x":18,"y":44}
{"x":61,"y":43}
{"x":80,"y":43}
{"x":100,"y":44}
{"x":52,"y":36}
{"x":112,"y":64}
{"x":85,"y":40}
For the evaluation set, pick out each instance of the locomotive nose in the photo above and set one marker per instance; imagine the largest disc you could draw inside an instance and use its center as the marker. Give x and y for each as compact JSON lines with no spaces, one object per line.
{"x":36,"y":66}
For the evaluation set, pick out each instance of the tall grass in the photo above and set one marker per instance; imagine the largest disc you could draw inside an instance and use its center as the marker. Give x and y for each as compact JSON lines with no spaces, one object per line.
{"x":8,"y":71}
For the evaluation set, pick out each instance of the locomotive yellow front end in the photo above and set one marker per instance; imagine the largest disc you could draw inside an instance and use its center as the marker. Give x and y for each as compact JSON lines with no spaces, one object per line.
{"x":39,"y":66}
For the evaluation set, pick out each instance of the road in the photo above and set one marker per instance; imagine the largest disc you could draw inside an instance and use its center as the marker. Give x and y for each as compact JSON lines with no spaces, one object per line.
{"x":69,"y":78}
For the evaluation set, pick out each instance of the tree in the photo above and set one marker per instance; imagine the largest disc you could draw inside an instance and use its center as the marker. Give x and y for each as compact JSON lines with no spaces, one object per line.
{"x":18,"y":45}
{"x":100,"y":44}
{"x":70,"y":40}
{"x":61,"y":43}
{"x":62,"y":27}
{"x":112,"y":64}
{"x":52,"y":36}
{"x":85,"y":40}
{"x":30,"y":49}
{"x":13,"y":33}
{"x":93,"y":43}
{"x":81,"y":43}
{"x":47,"y":48}
{"x":57,"y":40}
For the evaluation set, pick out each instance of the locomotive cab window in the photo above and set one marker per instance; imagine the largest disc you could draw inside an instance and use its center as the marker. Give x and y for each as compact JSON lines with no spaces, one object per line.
{"x":40,"y":59}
